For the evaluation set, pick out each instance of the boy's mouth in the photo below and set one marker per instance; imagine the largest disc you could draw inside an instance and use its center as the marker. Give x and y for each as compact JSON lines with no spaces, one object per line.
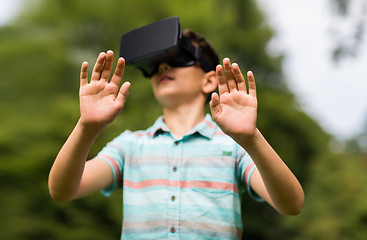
{"x":165,"y":78}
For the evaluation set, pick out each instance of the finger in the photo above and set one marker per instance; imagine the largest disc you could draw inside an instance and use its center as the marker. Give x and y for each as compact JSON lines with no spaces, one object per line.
{"x":222,"y":83}
{"x":251,"y":83}
{"x":98,"y":67}
{"x":241,"y":83}
{"x":106,"y":71}
{"x":214,"y":104}
{"x":119,"y":71}
{"x":231,"y":81}
{"x":84,"y":74}
{"x":123,"y":93}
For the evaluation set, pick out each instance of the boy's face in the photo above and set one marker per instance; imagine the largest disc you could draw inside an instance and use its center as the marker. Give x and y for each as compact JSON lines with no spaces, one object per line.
{"x":173,"y":86}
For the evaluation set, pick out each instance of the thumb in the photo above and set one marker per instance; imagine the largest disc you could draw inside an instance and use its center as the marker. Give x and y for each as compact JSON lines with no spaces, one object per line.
{"x":214,"y":104}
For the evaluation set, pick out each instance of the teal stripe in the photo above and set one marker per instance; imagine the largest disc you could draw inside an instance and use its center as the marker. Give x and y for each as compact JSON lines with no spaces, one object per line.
{"x":188,"y":196}
{"x":185,"y":161}
{"x":190,"y":149}
{"x":212,"y":215}
{"x":190,"y":174}
{"x":148,"y":234}
{"x":108,"y":191}
{"x":145,"y":213}
{"x":143,"y":174}
{"x":159,"y":211}
{"x":137,"y":198}
{"x":195,"y":234}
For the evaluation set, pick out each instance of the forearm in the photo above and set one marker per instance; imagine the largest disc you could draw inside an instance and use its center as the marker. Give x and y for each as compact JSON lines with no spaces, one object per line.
{"x":283,"y":187}
{"x":67,"y":170}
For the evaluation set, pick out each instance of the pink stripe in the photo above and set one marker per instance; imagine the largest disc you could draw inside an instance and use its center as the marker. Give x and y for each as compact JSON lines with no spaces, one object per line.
{"x":208,"y":123}
{"x":142,"y":134}
{"x":219,"y":133}
{"x":146,"y":183}
{"x":139,"y":134}
{"x":182,"y":184}
{"x":116,"y":168}
{"x":210,"y":185}
{"x":247,"y":171}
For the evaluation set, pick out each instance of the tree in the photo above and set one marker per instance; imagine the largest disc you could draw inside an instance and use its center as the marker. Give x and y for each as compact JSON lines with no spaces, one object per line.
{"x":349,"y":27}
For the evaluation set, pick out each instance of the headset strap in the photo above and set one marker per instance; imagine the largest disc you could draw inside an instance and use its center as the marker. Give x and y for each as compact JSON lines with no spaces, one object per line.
{"x":197,"y":53}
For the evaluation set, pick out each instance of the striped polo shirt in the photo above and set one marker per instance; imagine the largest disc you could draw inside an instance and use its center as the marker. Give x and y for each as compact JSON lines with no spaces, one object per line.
{"x":179,"y":188}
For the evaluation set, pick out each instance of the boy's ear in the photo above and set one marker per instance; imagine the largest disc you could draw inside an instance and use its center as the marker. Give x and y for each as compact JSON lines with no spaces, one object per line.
{"x":210,"y":82}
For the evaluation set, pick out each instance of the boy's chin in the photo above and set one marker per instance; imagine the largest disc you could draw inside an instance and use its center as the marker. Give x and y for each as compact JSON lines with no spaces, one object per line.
{"x":170,"y":99}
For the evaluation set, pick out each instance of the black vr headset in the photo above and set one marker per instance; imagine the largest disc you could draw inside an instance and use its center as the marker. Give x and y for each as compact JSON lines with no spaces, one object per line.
{"x":163,"y":41}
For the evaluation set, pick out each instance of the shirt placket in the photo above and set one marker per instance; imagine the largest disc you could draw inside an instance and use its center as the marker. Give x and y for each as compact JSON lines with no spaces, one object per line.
{"x":174,"y":198}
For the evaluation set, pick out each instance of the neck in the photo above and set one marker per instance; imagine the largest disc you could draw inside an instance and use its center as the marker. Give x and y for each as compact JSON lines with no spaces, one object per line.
{"x":182,"y":119}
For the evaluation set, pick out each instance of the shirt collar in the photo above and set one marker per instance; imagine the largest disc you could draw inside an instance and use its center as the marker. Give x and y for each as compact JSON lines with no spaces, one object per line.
{"x":206,"y":128}
{"x":158,"y":127}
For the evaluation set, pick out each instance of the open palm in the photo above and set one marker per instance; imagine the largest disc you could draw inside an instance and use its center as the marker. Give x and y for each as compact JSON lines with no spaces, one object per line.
{"x":101,"y":100}
{"x":234,"y":110}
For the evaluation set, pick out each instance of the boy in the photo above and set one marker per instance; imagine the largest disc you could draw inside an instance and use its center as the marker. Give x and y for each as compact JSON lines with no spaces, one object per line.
{"x":181,"y":178}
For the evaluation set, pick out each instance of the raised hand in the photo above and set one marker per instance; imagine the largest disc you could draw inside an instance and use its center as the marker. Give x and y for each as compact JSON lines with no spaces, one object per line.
{"x":235,"y":109}
{"x":235,"y":112}
{"x":102,"y":100}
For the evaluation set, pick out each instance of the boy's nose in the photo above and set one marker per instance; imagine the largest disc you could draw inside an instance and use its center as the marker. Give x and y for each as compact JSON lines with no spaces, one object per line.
{"x":163,"y":67}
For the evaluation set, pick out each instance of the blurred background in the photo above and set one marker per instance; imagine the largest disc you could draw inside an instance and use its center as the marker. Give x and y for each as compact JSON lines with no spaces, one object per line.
{"x":309,"y":62}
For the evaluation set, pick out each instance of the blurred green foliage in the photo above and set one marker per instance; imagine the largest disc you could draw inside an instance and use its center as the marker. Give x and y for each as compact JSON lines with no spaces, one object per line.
{"x":41,"y":54}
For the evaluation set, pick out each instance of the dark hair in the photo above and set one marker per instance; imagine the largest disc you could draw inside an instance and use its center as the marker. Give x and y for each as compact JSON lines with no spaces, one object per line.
{"x":206,"y":48}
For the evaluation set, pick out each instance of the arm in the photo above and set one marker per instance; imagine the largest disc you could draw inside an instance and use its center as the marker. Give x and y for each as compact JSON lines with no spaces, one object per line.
{"x":71,"y":176}
{"x":235,"y":112}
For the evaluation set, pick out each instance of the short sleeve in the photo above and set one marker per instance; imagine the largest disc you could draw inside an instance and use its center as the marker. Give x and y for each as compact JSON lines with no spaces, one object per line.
{"x":245,"y":169}
{"x":113,"y":154}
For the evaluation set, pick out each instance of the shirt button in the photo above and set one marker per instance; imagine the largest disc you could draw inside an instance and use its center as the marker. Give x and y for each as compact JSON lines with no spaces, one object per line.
{"x":174,"y":169}
{"x":173,"y":198}
{"x":176,"y":143}
{"x":173,"y":230}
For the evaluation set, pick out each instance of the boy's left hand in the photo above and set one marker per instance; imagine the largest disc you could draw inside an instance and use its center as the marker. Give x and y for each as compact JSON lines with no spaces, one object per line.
{"x":235,"y":110}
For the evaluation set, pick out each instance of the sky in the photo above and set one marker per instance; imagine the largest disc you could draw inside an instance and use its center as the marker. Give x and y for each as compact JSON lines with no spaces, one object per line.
{"x":8,"y":10}
{"x":333,"y":94}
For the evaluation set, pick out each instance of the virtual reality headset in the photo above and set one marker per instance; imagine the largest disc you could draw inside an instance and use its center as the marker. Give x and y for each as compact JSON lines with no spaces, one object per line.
{"x":163,"y":41}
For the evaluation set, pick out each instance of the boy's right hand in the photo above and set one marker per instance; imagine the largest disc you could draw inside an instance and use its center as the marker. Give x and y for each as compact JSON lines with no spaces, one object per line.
{"x":102,"y":100}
